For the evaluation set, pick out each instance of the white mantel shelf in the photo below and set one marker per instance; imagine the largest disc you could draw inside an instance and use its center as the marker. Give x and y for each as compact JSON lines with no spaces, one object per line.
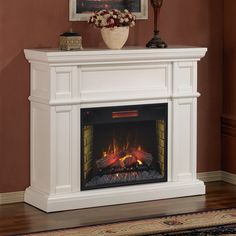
{"x":106,"y":56}
{"x":63,"y":82}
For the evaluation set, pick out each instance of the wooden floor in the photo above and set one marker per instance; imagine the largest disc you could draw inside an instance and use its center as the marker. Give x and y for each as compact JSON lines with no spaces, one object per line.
{"x":22,"y":218}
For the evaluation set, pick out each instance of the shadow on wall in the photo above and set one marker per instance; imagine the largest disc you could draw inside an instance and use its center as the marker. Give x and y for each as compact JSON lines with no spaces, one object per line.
{"x":14,"y":125}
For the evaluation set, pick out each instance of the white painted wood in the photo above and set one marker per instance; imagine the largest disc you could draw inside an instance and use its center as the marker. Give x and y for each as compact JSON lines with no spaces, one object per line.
{"x":63,"y":149}
{"x":111,"y":196}
{"x":184,"y":153}
{"x":138,"y":55}
{"x":64,"y":82}
{"x":40,"y":81}
{"x":40,"y":166}
{"x":127,"y":81}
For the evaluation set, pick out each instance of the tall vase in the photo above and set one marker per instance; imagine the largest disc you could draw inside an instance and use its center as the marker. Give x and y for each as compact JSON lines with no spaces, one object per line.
{"x":156,"y":41}
{"x":115,"y":38}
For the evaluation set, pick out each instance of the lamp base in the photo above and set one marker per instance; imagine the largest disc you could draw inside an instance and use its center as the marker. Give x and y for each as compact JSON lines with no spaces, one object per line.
{"x":156,"y":41}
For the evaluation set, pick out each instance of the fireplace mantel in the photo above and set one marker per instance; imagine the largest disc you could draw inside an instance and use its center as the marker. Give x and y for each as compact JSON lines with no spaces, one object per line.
{"x":107,"y":56}
{"x":64,"y":82}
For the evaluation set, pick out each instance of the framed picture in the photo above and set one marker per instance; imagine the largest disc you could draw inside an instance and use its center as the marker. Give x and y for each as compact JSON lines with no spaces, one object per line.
{"x":80,"y":10}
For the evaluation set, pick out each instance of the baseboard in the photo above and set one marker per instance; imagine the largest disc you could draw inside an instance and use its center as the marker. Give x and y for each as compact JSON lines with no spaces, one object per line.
{"x":13,"y":197}
{"x":210,"y":176}
{"x":217,"y":176}
{"x":228,"y":177}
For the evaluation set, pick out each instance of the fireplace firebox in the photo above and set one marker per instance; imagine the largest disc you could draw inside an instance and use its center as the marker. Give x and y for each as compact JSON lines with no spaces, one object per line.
{"x":123,"y":145}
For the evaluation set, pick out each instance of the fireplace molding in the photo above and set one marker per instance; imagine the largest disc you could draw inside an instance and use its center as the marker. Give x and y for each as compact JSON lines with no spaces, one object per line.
{"x":64,"y":82}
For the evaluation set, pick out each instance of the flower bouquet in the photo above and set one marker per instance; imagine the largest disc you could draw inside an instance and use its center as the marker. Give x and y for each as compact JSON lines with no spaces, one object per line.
{"x":114,"y":25}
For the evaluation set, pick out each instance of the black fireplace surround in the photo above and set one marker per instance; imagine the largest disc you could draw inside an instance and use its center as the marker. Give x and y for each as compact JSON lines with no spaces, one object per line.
{"x":123,"y":145}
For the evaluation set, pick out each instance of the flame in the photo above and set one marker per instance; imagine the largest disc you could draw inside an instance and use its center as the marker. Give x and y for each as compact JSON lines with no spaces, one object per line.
{"x":123,"y":150}
{"x":125,"y":157}
{"x":139,"y":162}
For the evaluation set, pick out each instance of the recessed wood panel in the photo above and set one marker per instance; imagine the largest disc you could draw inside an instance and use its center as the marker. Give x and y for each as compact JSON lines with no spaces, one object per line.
{"x":126,"y":81}
{"x":63,"y":150}
{"x":40,"y":151}
{"x":40,"y":81}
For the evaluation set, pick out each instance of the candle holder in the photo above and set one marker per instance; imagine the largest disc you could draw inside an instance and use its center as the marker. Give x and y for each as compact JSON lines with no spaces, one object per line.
{"x":156,"y":41}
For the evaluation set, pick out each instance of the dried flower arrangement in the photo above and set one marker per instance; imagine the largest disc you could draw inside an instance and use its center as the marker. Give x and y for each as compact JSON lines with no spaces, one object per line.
{"x":112,"y":18}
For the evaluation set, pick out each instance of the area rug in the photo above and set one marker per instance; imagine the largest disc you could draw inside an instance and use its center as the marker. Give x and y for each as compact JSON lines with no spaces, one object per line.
{"x":219,"y":222}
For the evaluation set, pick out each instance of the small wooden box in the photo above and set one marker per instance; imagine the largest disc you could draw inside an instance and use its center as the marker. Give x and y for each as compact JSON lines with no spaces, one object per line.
{"x":70,"y":41}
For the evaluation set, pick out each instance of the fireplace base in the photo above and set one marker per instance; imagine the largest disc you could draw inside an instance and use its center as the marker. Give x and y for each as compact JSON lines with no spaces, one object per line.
{"x":64,"y":83}
{"x":112,"y":196}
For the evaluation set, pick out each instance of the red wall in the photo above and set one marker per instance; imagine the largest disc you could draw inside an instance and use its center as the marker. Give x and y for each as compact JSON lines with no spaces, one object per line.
{"x":37,"y":24}
{"x":229,"y":82}
{"x":229,"y":88}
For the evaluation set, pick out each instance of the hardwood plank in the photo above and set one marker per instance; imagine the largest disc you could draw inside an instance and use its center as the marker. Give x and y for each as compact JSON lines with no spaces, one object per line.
{"x":23,"y":218}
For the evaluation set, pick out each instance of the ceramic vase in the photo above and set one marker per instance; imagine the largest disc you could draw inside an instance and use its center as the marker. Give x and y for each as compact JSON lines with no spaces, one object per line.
{"x":115,"y":38}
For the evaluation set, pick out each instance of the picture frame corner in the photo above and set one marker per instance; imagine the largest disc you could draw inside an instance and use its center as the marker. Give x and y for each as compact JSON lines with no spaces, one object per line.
{"x":75,"y":16}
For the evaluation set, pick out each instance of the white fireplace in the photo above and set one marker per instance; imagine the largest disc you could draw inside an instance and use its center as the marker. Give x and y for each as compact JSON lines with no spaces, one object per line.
{"x":65,"y":84}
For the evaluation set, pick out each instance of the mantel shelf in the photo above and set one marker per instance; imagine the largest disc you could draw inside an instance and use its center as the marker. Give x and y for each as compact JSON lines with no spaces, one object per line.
{"x":94,"y":56}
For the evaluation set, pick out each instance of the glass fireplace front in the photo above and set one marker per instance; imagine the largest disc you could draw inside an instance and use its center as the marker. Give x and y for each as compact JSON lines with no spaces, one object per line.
{"x":123,"y":145}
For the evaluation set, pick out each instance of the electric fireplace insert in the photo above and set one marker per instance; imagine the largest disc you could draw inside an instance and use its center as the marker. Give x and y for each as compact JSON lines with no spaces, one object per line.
{"x":123,"y":145}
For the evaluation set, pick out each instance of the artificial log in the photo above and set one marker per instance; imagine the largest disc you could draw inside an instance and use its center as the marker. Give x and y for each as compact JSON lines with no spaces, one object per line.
{"x":114,"y":159}
{"x":107,"y":161}
{"x":142,"y":156}
{"x":118,"y":164}
{"x":130,"y":161}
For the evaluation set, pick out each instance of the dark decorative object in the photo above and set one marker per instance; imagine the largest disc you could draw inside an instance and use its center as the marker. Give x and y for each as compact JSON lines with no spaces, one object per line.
{"x":70,"y":41}
{"x":156,"y":41}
